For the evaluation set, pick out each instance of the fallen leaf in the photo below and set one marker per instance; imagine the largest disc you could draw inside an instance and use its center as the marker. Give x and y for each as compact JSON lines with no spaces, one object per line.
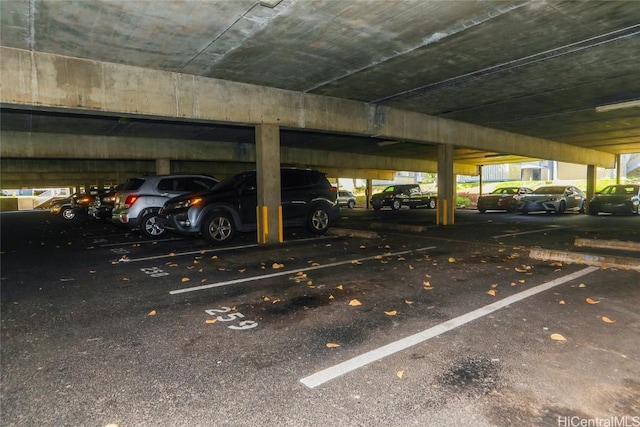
{"x":605,"y":319}
{"x":408,"y":302}
{"x":492,"y":292}
{"x":377,"y":257}
{"x":363,"y":247}
{"x":332,"y":345}
{"x":391,"y":313}
{"x":561,"y":302}
{"x":276,"y":266}
{"x":582,"y":285}
{"x":92,"y":271}
{"x":494,"y":285}
{"x":210,"y":321}
{"x":185,"y":279}
{"x":521,"y":270}
{"x":310,"y":282}
{"x":340,"y":287}
{"x":592,"y":301}
{"x":558,"y":337}
{"x":331,"y":296}
{"x":452,"y":259}
{"x":356,"y":262}
{"x":152,"y":313}
{"x":354,"y":303}
{"x":426,"y":283}
{"x":521,"y":280}
{"x":242,"y":270}
{"x":401,"y":258}
{"x":411,"y":267}
{"x":172,"y":254}
{"x":399,"y":374}
{"x":125,"y":279}
{"x":265,"y":299}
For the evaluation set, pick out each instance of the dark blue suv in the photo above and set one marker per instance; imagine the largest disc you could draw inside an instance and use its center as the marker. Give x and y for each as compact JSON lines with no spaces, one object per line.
{"x":307,"y":197}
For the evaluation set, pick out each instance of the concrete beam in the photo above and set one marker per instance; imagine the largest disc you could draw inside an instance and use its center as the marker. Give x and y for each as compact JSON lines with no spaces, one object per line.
{"x":61,"y":146}
{"x":36,"y":79}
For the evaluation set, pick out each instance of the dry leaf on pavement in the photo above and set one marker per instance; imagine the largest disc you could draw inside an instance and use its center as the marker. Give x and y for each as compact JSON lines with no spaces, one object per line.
{"x":558,"y":337}
{"x":354,"y":303}
{"x":391,"y":313}
{"x":400,"y":374}
{"x":605,"y":319}
{"x":332,"y":345}
{"x":592,"y":301}
{"x":185,"y":279}
{"x":152,"y":313}
{"x":492,"y":292}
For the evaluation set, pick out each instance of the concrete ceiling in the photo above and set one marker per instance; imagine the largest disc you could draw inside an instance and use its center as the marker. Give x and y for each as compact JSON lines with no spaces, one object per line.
{"x":537,"y":68}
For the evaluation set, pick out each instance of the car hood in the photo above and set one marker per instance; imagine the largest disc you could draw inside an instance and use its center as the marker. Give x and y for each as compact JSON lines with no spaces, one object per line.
{"x":611,"y":198}
{"x":208,"y":195}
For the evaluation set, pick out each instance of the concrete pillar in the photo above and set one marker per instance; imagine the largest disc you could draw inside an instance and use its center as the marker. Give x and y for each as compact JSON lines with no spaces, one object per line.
{"x":368,"y":192}
{"x":591,"y":181}
{"x":446,"y":186}
{"x":618,"y":169}
{"x":269,"y":209}
{"x":480,"y":181}
{"x":163,"y":166}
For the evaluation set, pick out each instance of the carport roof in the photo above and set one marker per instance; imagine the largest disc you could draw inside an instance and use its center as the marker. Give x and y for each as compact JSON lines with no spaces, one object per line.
{"x":536,"y":68}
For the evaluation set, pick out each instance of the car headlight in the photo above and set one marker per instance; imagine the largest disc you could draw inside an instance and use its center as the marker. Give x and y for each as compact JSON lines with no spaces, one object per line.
{"x":188,"y":203}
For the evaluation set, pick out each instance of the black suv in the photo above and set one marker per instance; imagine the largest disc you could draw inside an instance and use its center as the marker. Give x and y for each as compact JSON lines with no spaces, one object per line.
{"x":217,"y":214}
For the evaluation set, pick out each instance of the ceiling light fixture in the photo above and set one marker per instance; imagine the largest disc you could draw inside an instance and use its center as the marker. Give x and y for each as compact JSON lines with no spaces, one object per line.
{"x":617,"y":106}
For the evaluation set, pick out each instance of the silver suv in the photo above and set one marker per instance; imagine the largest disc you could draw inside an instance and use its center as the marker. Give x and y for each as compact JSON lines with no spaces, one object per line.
{"x":138,"y":202}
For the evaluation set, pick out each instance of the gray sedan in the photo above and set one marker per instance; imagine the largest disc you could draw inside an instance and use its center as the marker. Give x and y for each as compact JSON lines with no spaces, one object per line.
{"x":553,"y":198}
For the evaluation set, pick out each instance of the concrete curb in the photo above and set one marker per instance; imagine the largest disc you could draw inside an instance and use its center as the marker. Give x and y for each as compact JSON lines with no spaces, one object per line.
{"x":345,"y":232}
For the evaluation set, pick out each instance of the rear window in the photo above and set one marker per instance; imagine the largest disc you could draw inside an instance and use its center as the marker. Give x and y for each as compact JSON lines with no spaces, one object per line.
{"x":132,"y":184}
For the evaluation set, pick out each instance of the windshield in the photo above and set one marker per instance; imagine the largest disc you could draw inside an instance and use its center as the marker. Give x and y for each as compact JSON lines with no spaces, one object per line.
{"x":234,"y":182}
{"x":550,"y":190}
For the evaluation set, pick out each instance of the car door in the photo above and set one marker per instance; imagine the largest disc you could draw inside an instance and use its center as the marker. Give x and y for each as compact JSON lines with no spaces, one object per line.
{"x":573,"y":198}
{"x":294,"y":195}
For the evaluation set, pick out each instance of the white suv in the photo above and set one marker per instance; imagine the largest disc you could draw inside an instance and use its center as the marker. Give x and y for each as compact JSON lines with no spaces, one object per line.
{"x":138,"y":202}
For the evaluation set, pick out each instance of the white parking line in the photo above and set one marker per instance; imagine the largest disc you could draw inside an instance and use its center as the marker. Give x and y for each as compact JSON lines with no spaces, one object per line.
{"x":288,"y":272}
{"x":343,"y":368}
{"x":551,"y":228}
{"x":141,"y":242}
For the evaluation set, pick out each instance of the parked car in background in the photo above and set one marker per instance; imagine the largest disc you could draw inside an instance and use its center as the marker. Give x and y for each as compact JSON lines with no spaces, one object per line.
{"x":138,"y":202}
{"x":346,"y":198}
{"x":619,"y":198}
{"x":396,"y":196}
{"x":103,"y":204}
{"x":554,"y":198}
{"x":503,"y":199}
{"x":63,"y":208}
{"x":307,"y":199}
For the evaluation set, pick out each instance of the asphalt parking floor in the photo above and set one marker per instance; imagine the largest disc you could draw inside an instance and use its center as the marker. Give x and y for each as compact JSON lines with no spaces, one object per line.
{"x":442,"y":326}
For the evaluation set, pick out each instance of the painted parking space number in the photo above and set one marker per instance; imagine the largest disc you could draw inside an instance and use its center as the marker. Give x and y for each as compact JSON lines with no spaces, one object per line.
{"x":154,"y":272}
{"x":228,"y":314}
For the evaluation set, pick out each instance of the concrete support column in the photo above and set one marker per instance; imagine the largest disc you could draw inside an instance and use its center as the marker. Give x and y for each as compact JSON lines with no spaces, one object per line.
{"x":269,"y":209}
{"x":163,"y":166}
{"x":591,"y":182}
{"x":480,"y":181}
{"x":618,"y":169}
{"x":368,"y":192}
{"x":446,"y":186}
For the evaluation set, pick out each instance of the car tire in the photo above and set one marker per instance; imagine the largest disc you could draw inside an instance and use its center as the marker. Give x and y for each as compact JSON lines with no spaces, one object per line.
{"x":218,"y":228}
{"x":376,"y":207}
{"x":593,"y":211}
{"x":68,"y":214}
{"x":431,"y":204}
{"x":482,"y":210}
{"x":318,"y":219}
{"x":561,"y":208}
{"x":525,"y":211}
{"x":150,"y":226}
{"x":396,"y":204}
{"x":351,"y":204}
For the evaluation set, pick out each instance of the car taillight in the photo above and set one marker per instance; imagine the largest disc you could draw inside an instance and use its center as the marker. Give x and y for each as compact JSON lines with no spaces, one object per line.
{"x":130,"y":200}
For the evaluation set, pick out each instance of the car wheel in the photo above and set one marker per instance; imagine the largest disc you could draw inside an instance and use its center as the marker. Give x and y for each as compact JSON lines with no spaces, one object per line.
{"x":593,"y":211}
{"x":218,"y":227}
{"x":482,"y":210}
{"x":351,"y":204}
{"x":432,"y":203}
{"x":68,"y":213}
{"x":376,"y":207}
{"x":561,"y":208}
{"x":525,"y":211}
{"x":396,"y":205}
{"x":318,"y":220}
{"x":150,"y":227}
